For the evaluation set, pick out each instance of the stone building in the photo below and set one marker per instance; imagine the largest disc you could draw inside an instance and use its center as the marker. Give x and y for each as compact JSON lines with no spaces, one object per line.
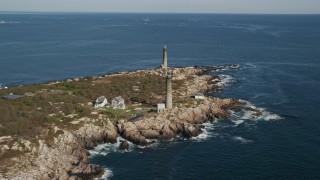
{"x":118,"y":103}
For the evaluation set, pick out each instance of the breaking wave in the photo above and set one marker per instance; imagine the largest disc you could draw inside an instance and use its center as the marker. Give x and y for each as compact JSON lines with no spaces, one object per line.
{"x":105,"y":149}
{"x":107,"y":174}
{"x":223,"y":80}
{"x":225,"y":68}
{"x":207,"y":132}
{"x":237,"y":122}
{"x":251,"y":112}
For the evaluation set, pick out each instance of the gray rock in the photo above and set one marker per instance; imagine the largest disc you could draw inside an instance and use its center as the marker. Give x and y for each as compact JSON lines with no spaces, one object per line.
{"x":124,"y":146}
{"x":191,"y":131}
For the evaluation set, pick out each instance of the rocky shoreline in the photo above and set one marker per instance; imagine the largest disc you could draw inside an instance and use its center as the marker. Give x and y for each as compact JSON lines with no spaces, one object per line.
{"x":184,"y":122}
{"x":66,"y":157}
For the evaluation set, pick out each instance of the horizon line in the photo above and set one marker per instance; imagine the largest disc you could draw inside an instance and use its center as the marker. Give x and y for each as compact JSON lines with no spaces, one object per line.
{"x":110,"y":12}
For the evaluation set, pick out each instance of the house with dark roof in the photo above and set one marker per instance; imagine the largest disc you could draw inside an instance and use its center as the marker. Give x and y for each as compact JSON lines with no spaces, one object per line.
{"x":12,"y":96}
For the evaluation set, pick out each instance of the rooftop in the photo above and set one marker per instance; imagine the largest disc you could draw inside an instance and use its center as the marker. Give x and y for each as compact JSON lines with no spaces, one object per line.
{"x":101,"y":98}
{"x":12,"y":96}
{"x":119,"y":98}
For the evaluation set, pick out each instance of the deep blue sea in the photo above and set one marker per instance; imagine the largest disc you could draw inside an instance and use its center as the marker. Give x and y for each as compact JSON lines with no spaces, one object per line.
{"x":280,"y":70}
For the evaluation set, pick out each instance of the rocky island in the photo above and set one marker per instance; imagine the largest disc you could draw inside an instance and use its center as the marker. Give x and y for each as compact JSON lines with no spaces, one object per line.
{"x":47,"y":132}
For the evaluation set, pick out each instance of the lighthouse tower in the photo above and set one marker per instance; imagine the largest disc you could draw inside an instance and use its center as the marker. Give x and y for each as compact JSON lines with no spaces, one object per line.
{"x":164,"y":65}
{"x":168,"y":91}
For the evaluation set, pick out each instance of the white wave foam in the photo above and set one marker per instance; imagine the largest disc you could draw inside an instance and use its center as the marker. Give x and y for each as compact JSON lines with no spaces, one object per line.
{"x":237,"y":122}
{"x":222,"y":69}
{"x":223,"y":80}
{"x":246,"y":115}
{"x":155,"y":143}
{"x":206,"y":132}
{"x":269,"y":116}
{"x":247,"y":66}
{"x":226,"y":68}
{"x":251,"y":113}
{"x":107,"y":174}
{"x":266,"y":115}
{"x":241,"y":139}
{"x":105,"y":149}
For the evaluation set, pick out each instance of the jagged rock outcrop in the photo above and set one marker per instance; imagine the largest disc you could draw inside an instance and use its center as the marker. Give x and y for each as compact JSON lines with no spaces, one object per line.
{"x":91,"y":135}
{"x":124,"y":146}
{"x":184,"y":122}
{"x":67,"y":157}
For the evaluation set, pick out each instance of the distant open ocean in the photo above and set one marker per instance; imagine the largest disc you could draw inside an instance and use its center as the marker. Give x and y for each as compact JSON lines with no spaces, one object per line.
{"x":280,"y":70}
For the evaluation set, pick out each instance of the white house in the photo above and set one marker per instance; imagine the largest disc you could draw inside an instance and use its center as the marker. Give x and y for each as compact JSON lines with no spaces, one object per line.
{"x":101,"y":102}
{"x":118,"y":103}
{"x":161,"y":107}
{"x":199,"y":96}
{"x":135,"y":88}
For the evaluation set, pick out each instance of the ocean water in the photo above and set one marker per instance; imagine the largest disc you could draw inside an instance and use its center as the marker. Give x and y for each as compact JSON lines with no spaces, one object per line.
{"x":280,"y":69}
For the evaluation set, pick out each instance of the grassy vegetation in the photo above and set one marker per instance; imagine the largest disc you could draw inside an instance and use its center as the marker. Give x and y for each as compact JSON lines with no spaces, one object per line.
{"x":52,"y":103}
{"x":28,"y":115}
{"x":49,"y":136}
{"x":117,"y":114}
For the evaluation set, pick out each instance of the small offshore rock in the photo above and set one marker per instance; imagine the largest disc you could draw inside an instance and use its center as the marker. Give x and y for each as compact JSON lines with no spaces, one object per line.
{"x":191,"y":131}
{"x":124,"y":146}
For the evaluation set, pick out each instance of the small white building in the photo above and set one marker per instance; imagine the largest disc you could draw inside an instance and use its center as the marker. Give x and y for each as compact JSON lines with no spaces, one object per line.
{"x":199,"y":96}
{"x":135,"y":88}
{"x":101,"y":102}
{"x":118,"y":103}
{"x":3,"y":87}
{"x":161,"y":107}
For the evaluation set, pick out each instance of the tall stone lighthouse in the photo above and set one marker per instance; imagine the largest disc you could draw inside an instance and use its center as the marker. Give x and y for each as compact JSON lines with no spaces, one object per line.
{"x":164,"y":65}
{"x":168,"y":91}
